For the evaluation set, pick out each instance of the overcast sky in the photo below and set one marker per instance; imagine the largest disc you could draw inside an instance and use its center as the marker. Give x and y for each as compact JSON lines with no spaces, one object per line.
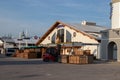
{"x":36,"y":16}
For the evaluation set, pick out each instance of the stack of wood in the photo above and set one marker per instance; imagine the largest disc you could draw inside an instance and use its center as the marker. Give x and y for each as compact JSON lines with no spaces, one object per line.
{"x":64,"y":59}
{"x":79,"y":52}
{"x":27,"y":53}
{"x":79,"y":57}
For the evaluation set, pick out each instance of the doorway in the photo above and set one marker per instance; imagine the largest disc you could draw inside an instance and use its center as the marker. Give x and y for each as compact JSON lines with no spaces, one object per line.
{"x":112,"y":51}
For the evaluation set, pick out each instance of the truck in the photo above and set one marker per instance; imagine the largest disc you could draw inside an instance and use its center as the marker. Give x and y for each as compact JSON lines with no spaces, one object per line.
{"x":10,"y":51}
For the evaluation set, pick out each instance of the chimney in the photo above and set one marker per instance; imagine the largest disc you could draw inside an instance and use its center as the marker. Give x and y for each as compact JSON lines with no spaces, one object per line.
{"x":88,"y":23}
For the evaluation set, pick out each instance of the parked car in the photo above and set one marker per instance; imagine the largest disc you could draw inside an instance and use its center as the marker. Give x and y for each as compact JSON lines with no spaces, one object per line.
{"x":10,"y":51}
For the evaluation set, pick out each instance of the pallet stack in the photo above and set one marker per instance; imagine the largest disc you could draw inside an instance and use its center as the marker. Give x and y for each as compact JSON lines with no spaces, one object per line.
{"x":79,"y":57}
{"x":28,"y":54}
{"x":64,"y":59}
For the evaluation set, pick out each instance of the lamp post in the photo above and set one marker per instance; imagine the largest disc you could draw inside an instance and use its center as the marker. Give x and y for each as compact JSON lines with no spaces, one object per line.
{"x":19,"y":39}
{"x":23,"y":36}
{"x":26,"y":40}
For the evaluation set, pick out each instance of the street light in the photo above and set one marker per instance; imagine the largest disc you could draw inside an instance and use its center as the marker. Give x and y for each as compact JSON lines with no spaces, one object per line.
{"x":26,"y":39}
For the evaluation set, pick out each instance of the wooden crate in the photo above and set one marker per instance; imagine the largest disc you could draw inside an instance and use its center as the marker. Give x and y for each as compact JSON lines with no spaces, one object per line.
{"x":83,"y":59}
{"x":20,"y":55}
{"x":17,"y":54}
{"x":26,"y":51}
{"x":79,"y":52}
{"x":71,"y":59}
{"x":86,"y":59}
{"x":37,"y":50}
{"x":80,"y":59}
{"x":90,"y":59}
{"x":32,"y":50}
{"x":87,"y":52}
{"x":64,"y":59}
{"x":30,"y":55}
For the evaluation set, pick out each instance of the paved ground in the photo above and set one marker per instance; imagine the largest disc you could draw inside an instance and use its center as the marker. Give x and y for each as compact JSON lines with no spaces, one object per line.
{"x":35,"y":69}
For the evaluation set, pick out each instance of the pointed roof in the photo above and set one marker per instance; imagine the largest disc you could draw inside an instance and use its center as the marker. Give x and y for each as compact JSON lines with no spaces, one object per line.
{"x":77,"y":27}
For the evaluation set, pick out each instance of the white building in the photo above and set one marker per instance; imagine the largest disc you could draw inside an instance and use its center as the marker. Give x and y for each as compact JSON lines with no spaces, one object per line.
{"x":1,"y":46}
{"x":86,"y":35}
{"x":8,"y":42}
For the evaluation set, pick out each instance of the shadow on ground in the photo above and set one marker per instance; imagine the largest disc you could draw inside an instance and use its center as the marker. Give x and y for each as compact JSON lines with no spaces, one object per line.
{"x":34,"y":62}
{"x":4,"y":60}
{"x":19,"y":61}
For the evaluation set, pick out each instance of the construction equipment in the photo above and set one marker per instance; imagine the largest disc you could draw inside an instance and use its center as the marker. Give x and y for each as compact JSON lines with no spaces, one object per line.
{"x":51,"y":54}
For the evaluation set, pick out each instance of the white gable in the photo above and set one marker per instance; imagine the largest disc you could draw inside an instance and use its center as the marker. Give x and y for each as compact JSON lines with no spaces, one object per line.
{"x":80,"y":37}
{"x":47,"y":40}
{"x":76,"y":36}
{"x":1,"y":41}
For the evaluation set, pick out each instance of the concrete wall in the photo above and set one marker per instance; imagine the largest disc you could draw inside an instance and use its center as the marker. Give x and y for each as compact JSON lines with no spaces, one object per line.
{"x":103,"y":52}
{"x":112,"y":36}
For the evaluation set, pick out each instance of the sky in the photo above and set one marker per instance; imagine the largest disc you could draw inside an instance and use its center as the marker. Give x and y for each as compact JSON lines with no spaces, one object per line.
{"x":37,"y":16}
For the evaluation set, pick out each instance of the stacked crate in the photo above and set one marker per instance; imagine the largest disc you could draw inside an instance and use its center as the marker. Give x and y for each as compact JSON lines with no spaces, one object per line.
{"x":86,"y":59}
{"x":79,"y":52}
{"x":86,"y":52}
{"x":27,"y":53}
{"x":73,"y":59}
{"x":79,"y":57}
{"x":64,"y":59}
{"x":30,"y":55}
{"x":19,"y":53}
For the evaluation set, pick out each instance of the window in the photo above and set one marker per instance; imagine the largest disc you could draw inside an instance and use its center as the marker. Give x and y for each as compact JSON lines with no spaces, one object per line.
{"x":60,"y":35}
{"x":68,"y":36}
{"x":53,"y":38}
{"x":104,"y":34}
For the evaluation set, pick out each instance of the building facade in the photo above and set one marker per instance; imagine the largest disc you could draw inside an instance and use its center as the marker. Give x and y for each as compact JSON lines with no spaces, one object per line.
{"x":1,"y":46}
{"x":9,"y":42}
{"x":85,"y":36}
{"x":110,"y":43}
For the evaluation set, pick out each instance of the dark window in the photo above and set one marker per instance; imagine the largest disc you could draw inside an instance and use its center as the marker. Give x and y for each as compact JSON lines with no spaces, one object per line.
{"x":11,"y":50}
{"x":53,"y":38}
{"x":104,"y":35}
{"x":68,"y":36}
{"x":60,"y":35}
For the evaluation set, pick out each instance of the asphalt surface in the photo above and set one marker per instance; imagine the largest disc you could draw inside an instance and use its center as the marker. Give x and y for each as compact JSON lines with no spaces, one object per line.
{"x":36,"y":69}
